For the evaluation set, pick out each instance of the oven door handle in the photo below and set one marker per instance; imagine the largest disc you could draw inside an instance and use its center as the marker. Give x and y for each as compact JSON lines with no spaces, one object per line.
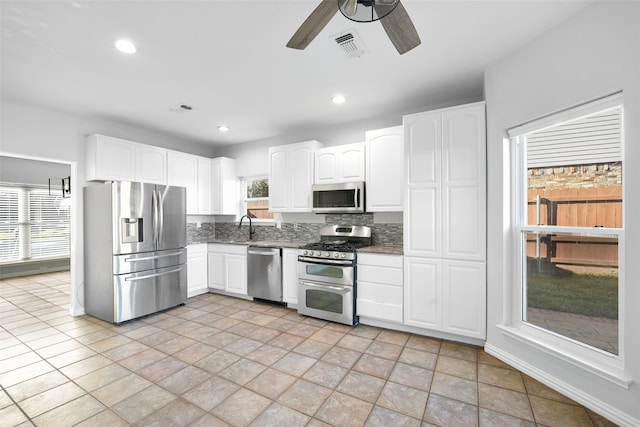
{"x":324,"y":261}
{"x":343,"y":289}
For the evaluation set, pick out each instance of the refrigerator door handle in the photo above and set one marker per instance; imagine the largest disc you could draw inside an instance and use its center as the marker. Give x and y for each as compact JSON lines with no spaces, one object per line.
{"x":148,"y":276}
{"x":154,"y":215}
{"x":152,"y":257}
{"x":160,"y":216}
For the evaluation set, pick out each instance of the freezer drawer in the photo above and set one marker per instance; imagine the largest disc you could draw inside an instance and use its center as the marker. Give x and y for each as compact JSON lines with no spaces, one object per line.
{"x":123,"y":264}
{"x":139,"y":294}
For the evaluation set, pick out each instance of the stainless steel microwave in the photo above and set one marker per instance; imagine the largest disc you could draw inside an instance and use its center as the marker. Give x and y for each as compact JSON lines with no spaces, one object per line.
{"x":345,"y":197}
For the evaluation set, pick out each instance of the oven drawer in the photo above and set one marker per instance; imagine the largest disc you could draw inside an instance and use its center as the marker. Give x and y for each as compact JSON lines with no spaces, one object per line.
{"x":331,"y":302}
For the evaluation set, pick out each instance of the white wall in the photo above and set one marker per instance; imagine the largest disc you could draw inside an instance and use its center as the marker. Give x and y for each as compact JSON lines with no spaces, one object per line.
{"x":39,"y":133}
{"x":593,"y":54}
{"x":252,"y":159}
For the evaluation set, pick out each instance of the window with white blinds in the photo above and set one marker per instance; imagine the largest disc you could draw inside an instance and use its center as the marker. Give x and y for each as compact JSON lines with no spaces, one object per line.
{"x":33,"y":224}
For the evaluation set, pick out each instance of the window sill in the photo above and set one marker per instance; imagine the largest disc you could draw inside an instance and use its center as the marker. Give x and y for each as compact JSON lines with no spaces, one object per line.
{"x":608,"y":367}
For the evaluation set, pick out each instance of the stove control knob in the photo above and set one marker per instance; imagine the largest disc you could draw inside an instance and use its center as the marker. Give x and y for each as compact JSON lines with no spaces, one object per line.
{"x":327,"y":254}
{"x":343,"y":255}
{"x":318,"y":253}
{"x":336,"y":255}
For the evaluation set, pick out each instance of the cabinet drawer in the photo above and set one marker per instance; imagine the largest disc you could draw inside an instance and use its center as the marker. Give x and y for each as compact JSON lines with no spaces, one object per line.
{"x":394,"y":261}
{"x":385,"y":275}
{"x":379,"y":310}
{"x":380,"y":293}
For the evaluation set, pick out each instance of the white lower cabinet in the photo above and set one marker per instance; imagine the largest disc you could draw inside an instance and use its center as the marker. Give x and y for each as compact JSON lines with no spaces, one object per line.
{"x":290,"y":276}
{"x":196,"y":270}
{"x":464,"y":298}
{"x":423,"y":292}
{"x":380,"y":284}
{"x":445,"y":295}
{"x":227,"y":268}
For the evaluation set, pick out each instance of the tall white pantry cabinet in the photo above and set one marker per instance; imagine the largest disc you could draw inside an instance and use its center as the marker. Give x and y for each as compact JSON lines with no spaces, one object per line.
{"x":445,"y":217}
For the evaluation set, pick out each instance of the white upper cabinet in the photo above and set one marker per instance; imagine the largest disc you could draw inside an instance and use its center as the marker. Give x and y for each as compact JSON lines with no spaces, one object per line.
{"x":114,"y":159}
{"x":291,"y":176}
{"x":151,"y":164}
{"x":183,"y":172}
{"x":342,"y":163}
{"x":205,"y":186}
{"x":109,"y":159}
{"x":445,"y":210}
{"x":224,"y":182}
{"x":385,"y":170}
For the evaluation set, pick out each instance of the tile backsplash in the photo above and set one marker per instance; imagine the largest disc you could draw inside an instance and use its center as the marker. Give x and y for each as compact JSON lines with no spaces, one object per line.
{"x":384,"y":234}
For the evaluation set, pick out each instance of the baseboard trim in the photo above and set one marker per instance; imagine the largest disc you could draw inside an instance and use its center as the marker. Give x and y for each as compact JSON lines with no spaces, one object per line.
{"x":587,"y":400}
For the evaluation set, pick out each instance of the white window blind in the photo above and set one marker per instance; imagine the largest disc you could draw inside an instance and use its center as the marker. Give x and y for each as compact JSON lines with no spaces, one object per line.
{"x":9,"y":248}
{"x":33,"y":224}
{"x":590,"y":139}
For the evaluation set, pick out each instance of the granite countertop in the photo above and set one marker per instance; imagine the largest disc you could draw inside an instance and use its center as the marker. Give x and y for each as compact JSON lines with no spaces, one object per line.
{"x":380,"y":249}
{"x":258,"y":243}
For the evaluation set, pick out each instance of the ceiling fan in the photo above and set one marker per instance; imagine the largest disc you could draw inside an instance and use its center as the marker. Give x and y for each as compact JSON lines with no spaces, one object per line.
{"x":391,"y":13}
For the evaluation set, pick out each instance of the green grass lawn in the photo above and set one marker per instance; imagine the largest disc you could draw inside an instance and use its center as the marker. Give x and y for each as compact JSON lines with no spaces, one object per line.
{"x":594,"y":295}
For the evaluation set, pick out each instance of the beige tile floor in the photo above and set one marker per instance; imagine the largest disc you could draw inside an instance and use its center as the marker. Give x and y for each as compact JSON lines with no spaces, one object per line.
{"x":223,"y":361}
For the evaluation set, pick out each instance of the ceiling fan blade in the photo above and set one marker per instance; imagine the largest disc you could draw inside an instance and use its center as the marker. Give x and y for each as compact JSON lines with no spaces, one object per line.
{"x":312,"y":26}
{"x":400,"y":29}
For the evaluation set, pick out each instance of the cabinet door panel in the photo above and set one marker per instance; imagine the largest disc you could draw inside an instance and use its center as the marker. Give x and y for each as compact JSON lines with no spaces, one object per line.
{"x":423,"y":292}
{"x":196,"y":269}
{"x":462,"y":145}
{"x":385,"y":170}
{"x":422,"y":222}
{"x":352,"y":162}
{"x":236,"y":269}
{"x":290,"y":275}
{"x":326,"y":167}
{"x":205,"y":185}
{"x":278,"y":180}
{"x":216,"y":270}
{"x":301,"y":179}
{"x":422,"y":148}
{"x":183,"y":172}
{"x":151,"y":165}
{"x":114,"y":159}
{"x":463,"y":225}
{"x":464,"y":301}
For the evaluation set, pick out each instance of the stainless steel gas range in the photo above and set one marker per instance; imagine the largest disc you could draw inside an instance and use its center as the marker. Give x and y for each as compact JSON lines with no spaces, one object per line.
{"x":327,"y":273}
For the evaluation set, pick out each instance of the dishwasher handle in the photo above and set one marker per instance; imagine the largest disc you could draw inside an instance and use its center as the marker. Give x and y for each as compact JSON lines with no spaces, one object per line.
{"x":263,"y":251}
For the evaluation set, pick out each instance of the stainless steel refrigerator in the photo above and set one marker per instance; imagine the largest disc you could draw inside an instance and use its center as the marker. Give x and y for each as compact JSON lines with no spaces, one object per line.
{"x":134,"y":249}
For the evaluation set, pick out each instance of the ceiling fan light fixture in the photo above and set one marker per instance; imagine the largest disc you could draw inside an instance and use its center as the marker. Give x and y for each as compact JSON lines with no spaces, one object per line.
{"x":366,"y":10}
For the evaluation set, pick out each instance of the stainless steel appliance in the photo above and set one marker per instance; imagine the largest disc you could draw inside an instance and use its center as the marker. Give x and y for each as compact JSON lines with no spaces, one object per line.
{"x":264,"y":273}
{"x":134,"y":254}
{"x":346,"y":197}
{"x":327,"y":273}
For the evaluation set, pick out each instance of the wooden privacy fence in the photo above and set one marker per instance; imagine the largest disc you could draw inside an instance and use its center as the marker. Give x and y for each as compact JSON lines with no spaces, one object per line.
{"x":577,"y":207}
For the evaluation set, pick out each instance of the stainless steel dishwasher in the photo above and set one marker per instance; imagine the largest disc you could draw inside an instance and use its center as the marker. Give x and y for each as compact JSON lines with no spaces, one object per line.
{"x":264,"y":273}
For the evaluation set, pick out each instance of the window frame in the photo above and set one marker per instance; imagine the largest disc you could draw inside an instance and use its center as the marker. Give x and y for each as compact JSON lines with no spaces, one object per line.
{"x":26,"y":224}
{"x":245,"y":199}
{"x":603,"y":363}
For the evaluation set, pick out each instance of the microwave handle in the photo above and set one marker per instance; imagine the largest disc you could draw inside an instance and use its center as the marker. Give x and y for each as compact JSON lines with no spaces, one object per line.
{"x":356,"y":200}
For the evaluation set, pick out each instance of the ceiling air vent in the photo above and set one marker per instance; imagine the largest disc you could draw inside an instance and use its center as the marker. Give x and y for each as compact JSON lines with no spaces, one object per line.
{"x":180,"y":108}
{"x":349,"y":43}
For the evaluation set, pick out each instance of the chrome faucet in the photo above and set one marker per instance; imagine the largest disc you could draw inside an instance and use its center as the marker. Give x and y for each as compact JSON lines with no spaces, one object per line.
{"x":251,"y":230}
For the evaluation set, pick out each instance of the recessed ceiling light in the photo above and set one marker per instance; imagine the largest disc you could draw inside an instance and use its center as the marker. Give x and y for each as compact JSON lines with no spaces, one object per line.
{"x":223,"y":128}
{"x":338,"y":99}
{"x":125,"y":46}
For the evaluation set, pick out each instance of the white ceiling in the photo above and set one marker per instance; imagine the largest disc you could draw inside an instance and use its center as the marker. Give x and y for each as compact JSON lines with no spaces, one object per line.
{"x":228,"y":60}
